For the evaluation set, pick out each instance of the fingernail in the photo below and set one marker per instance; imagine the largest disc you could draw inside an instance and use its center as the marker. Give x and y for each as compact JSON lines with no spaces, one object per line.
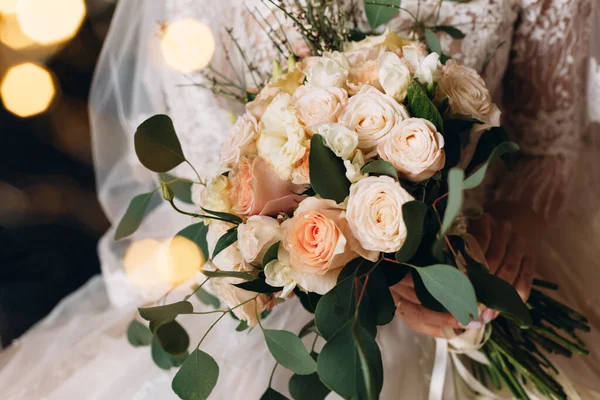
{"x":488,"y":316}
{"x":473,"y":325}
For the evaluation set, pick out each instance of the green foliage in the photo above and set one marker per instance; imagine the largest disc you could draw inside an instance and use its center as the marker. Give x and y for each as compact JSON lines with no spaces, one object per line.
{"x":382,"y":302}
{"x":197,"y":377}
{"x":477,"y":177}
{"x":271,"y":254}
{"x":381,"y":11}
{"x":421,"y":106}
{"x":173,"y":338}
{"x":138,"y":334}
{"x":228,"y":274}
{"x":288,"y":350}
{"x":229,"y":238}
{"x":272,"y":394}
{"x":164,"y":360}
{"x":309,"y":328}
{"x":157,"y":145}
{"x":453,"y":208}
{"x":197,"y":234}
{"x":258,"y":285}
{"x":433,"y":42}
{"x":371,"y":367}
{"x":234,"y":219}
{"x":208,"y":298}
{"x":167,"y":312}
{"x":327,"y":171}
{"x":336,"y":308}
{"x":450,"y":30}
{"x":307,"y":387}
{"x":243,"y":325}
{"x":452,"y":289}
{"x":133,"y":216}
{"x":181,"y":187}
{"x":380,"y":167}
{"x":414,"y":213}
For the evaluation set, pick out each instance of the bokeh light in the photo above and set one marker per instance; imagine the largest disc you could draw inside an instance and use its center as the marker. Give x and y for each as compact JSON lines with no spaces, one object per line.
{"x":184,"y":259}
{"x":8,"y":6}
{"x":187,"y":45}
{"x":11,"y":33}
{"x":27,"y":89}
{"x":50,"y":21}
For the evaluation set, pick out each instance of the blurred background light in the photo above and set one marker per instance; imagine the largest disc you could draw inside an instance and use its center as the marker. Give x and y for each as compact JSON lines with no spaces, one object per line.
{"x":187,"y":45}
{"x":8,"y":6}
{"x":50,"y":21}
{"x":11,"y":33}
{"x":27,"y":89}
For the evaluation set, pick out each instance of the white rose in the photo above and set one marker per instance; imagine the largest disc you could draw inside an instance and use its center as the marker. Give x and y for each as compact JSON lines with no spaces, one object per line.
{"x":229,"y":259}
{"x":363,"y":69}
{"x":233,"y":296}
{"x":278,"y":274}
{"x":341,"y":140}
{"x":329,"y":70}
{"x":415,"y":148}
{"x":241,"y":141}
{"x":374,"y":213}
{"x":389,"y":39}
{"x":394,"y":76}
{"x":258,"y":106}
{"x":425,"y":69}
{"x":315,"y":105}
{"x":281,"y":139}
{"x":256,"y":236}
{"x":214,"y":196}
{"x":468,"y":94}
{"x":354,"y":167}
{"x":372,"y":115}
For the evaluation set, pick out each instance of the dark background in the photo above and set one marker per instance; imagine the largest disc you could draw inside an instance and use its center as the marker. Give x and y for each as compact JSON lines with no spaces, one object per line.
{"x":50,"y":219}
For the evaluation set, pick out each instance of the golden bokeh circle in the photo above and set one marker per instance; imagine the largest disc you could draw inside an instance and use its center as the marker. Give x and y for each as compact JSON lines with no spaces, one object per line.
{"x":187,"y":45}
{"x":27,"y":89}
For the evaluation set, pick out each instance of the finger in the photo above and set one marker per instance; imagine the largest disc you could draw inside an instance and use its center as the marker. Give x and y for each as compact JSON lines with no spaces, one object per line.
{"x":416,"y":312}
{"x":498,"y":245}
{"x":511,"y":265}
{"x":481,"y":229}
{"x":408,"y":293}
{"x":408,"y":281}
{"x":525,"y":278}
{"x":410,"y":318}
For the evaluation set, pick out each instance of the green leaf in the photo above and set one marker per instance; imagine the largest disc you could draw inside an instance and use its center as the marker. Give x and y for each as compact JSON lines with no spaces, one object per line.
{"x":157,"y":145}
{"x":498,"y":294}
{"x":234,"y":219}
{"x":166,"y":313}
{"x":383,"y":304}
{"x":414,"y":213}
{"x":477,"y":177}
{"x":288,"y":350}
{"x":173,"y":338}
{"x":229,"y":238}
{"x":379,"y":11}
{"x":450,"y":30}
{"x":363,"y":345}
{"x":160,"y":357}
{"x":307,"y":387}
{"x":197,"y":377}
{"x":327,"y":171}
{"x":335,"y":308}
{"x":271,"y":254}
{"x":181,"y":187}
{"x":133,"y":216}
{"x":138,"y":334}
{"x":258,"y":285}
{"x":433,"y":42}
{"x":453,"y":207}
{"x":421,"y":106}
{"x":307,"y":329}
{"x":425,"y":298}
{"x":228,"y":274}
{"x":380,"y":167}
{"x":208,"y":298}
{"x":393,"y":272}
{"x":452,"y":289}
{"x":197,"y":234}
{"x":272,"y":394}
{"x":243,"y":325}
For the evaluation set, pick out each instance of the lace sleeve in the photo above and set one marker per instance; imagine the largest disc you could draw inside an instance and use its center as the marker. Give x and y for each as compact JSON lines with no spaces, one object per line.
{"x":545,"y":100}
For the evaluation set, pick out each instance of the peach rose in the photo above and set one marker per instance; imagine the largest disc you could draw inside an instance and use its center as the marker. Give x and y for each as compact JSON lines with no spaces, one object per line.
{"x":301,"y":172}
{"x":241,"y":141}
{"x":415,"y":148}
{"x":363,"y":69}
{"x":256,"y":236}
{"x":315,"y":105}
{"x":319,"y":239}
{"x":233,"y":296}
{"x":257,"y":189}
{"x":259,"y":105}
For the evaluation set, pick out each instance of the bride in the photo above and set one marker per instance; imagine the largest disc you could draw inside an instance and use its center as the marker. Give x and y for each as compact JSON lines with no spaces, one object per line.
{"x":533,"y":54}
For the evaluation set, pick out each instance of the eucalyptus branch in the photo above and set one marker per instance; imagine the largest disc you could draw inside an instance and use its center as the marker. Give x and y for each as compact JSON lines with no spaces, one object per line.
{"x":272,"y":374}
{"x":196,"y":215}
{"x":195,"y":290}
{"x":413,"y":16}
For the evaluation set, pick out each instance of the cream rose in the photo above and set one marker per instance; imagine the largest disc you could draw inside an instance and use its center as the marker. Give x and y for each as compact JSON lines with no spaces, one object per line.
{"x":318,"y":238}
{"x":375,"y":213}
{"x":468,"y":94}
{"x":256,"y":236}
{"x":233,"y":296}
{"x":282,"y":136}
{"x":372,"y":115}
{"x":259,"y":105}
{"x":315,"y":105}
{"x":415,"y":148}
{"x":241,"y":141}
{"x":328,"y":70}
{"x":389,"y":39}
{"x":363,"y":69}
{"x":394,"y":75}
{"x":229,"y":259}
{"x":341,"y":140}
{"x":214,"y":196}
{"x":354,"y":167}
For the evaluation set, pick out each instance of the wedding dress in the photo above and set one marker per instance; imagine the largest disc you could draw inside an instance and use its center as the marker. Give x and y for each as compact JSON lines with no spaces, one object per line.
{"x":533,"y":55}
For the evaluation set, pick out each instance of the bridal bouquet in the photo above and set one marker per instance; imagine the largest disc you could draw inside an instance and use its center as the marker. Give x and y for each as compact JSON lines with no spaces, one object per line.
{"x":345,"y":174}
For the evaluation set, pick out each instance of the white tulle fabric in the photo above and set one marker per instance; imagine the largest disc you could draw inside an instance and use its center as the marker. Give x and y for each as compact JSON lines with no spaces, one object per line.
{"x":80,"y":350}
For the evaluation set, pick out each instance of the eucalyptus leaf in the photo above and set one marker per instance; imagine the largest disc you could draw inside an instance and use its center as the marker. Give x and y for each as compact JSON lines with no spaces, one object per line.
{"x":133,"y":216}
{"x":208,"y":298}
{"x":181,"y":187}
{"x":167,"y":312}
{"x":425,"y":298}
{"x":197,"y":377}
{"x":452,"y":289}
{"x":421,"y":106}
{"x":272,"y":394}
{"x":258,"y":285}
{"x":380,"y":167}
{"x":307,"y":387}
{"x":197,"y":234}
{"x":307,"y":329}
{"x":381,"y":11}
{"x":309,"y":301}
{"x":477,"y":177}
{"x":161,"y":358}
{"x":228,"y":274}
{"x":242,"y":326}
{"x":414,"y":213}
{"x":453,"y":207}
{"x":288,"y":350}
{"x":335,"y":308}
{"x":450,"y":30}
{"x":393,"y":272}
{"x":138,"y":334}
{"x":383,"y":304}
{"x":271,"y":254}
{"x":363,"y":345}
{"x":229,"y":238}
{"x":234,"y":219}
{"x":433,"y":42}
{"x":157,"y":145}
{"x":173,"y":338}
{"x":327,"y":171}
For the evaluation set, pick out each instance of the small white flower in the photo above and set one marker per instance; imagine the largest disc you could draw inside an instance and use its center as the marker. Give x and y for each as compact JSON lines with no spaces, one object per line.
{"x":394,"y":75}
{"x":341,"y":140}
{"x":278,"y":274}
{"x":354,"y":167}
{"x":426,"y":69}
{"x":256,"y":236}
